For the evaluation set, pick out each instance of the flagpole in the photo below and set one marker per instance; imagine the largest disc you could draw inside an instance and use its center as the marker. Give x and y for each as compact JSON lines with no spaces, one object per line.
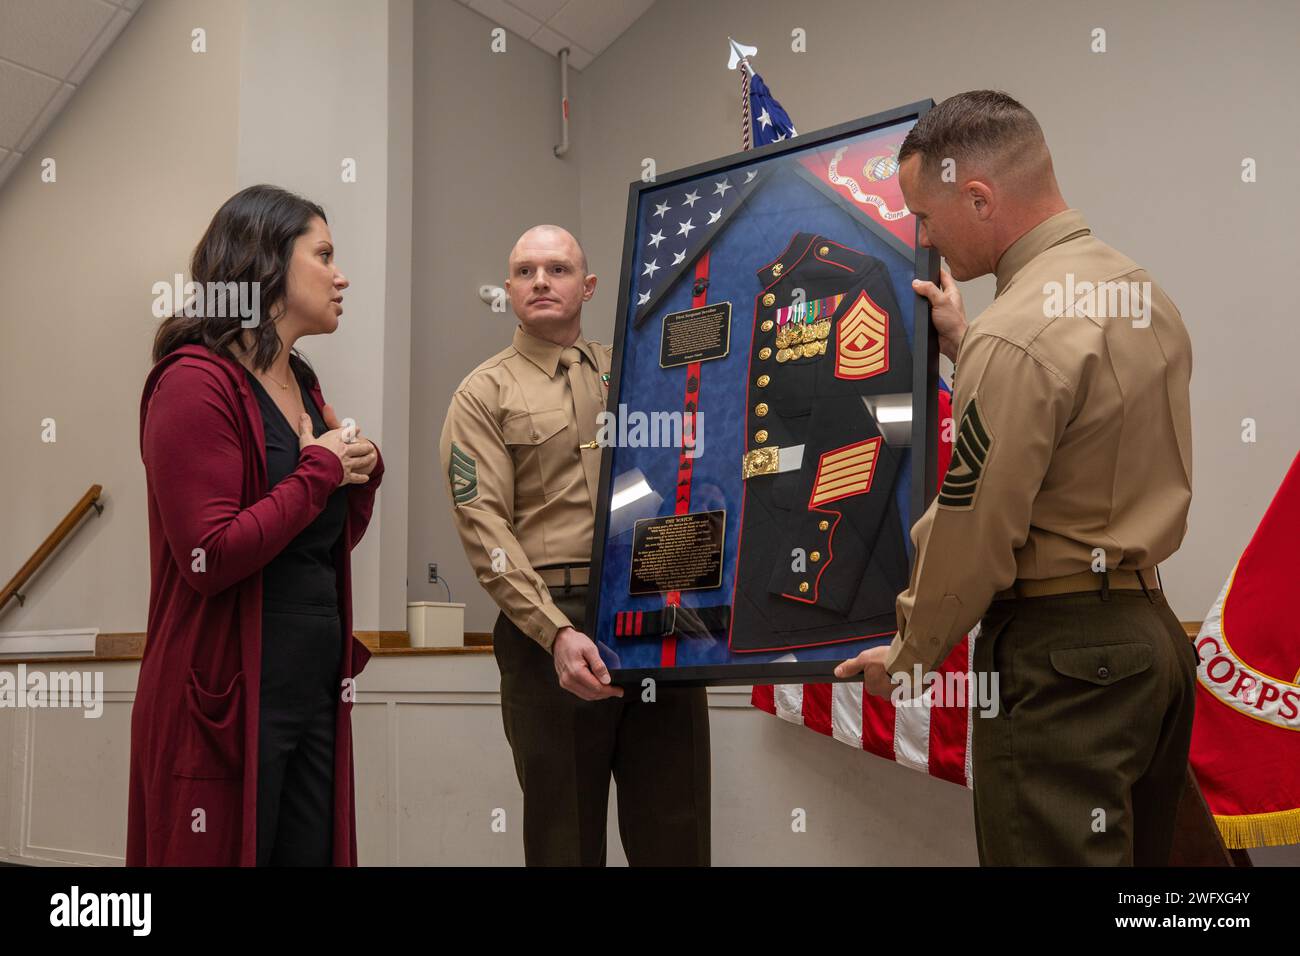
{"x":740,"y":57}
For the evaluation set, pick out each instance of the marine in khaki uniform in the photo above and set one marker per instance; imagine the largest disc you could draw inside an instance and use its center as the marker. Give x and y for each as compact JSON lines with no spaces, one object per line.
{"x":520,"y":454}
{"x":1070,"y":481}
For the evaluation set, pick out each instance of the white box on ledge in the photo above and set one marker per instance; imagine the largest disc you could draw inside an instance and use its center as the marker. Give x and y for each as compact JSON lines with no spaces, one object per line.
{"x":435,"y":624}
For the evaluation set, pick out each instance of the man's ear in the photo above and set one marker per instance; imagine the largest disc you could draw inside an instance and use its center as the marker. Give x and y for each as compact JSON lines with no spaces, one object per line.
{"x":981,"y":198}
{"x":589,"y":287}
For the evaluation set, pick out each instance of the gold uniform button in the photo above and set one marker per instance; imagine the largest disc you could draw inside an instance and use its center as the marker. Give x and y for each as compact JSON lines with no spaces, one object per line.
{"x":803,"y":587}
{"x":815,"y":556}
{"x":760,"y":436}
{"x":824,"y":250}
{"x":823,"y":525}
{"x":769,"y":299}
{"x":763,"y":380}
{"x":765,"y":353}
{"x":777,"y":269}
{"x":760,"y":409}
{"x":766,"y":326}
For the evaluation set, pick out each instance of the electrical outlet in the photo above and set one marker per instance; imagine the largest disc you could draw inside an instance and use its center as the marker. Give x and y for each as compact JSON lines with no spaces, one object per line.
{"x":433,"y":573}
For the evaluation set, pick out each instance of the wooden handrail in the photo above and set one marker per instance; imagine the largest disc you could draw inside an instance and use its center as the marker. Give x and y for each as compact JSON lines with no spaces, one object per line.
{"x":65,"y":527}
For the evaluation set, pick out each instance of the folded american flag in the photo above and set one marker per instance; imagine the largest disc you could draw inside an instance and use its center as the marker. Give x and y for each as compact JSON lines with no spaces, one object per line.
{"x":933,"y":739}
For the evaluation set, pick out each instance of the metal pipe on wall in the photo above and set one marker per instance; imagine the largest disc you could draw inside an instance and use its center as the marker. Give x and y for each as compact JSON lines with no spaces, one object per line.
{"x":564,"y":103}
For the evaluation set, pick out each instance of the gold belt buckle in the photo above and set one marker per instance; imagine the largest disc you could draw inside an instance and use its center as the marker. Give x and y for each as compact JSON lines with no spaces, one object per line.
{"x":760,"y":461}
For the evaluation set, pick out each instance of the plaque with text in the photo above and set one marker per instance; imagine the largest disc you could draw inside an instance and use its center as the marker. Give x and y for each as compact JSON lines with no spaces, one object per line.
{"x":775,"y":383}
{"x":677,"y":553}
{"x":696,"y":335}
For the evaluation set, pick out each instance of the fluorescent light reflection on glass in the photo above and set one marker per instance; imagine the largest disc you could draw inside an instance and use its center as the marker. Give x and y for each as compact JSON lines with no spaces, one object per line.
{"x":635,"y":492}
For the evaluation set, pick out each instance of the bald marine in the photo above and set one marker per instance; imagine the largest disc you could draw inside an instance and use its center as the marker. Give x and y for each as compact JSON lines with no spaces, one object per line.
{"x":548,"y":283}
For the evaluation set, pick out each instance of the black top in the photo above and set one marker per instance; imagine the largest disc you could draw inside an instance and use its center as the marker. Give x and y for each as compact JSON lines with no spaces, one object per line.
{"x":303,"y":573}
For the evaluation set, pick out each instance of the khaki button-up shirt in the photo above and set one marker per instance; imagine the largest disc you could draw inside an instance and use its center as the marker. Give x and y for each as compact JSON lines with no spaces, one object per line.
{"x":520,"y":491}
{"x":1073,"y":436}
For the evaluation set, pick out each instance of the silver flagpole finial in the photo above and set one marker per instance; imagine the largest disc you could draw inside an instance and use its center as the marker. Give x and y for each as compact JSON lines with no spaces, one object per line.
{"x":740,"y":54}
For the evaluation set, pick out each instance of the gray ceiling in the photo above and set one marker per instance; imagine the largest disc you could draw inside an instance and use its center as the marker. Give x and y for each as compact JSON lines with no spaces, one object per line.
{"x":586,"y":27}
{"x":47,"y":47}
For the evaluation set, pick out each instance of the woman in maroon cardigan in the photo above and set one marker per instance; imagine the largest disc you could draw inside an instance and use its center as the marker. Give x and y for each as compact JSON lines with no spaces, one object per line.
{"x":241,"y":744}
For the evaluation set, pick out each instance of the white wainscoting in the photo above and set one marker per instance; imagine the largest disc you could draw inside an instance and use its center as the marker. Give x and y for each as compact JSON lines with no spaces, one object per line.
{"x":433,"y":767}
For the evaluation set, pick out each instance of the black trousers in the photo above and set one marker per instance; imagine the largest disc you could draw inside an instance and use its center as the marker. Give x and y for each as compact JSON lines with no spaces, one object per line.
{"x":301,"y":656}
{"x":1086,"y":758}
{"x":565,"y":750}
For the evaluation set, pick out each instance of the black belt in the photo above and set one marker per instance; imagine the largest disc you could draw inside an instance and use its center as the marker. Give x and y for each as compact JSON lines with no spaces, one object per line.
{"x":682,"y":621}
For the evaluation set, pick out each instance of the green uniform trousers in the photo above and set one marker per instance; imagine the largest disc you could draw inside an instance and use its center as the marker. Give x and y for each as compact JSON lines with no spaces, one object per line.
{"x":565,"y":749}
{"x":1085,"y":760}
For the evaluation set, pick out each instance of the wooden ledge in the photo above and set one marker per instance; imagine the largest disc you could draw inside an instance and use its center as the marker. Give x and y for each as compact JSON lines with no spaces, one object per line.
{"x":111,"y":648}
{"x":116,"y":648}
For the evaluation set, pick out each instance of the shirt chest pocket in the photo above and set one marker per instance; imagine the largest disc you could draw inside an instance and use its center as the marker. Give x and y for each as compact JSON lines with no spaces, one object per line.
{"x":543,"y":448}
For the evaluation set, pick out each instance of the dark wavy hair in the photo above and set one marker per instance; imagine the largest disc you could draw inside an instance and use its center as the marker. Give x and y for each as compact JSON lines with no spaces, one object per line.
{"x":250,"y":239}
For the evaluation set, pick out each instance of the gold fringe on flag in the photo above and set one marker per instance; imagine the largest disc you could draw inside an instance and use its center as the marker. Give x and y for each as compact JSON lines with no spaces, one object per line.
{"x":1260,"y":829}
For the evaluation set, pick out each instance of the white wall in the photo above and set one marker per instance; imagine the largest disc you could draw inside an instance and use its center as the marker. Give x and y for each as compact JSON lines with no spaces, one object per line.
{"x":152,"y":144}
{"x":315,"y":85}
{"x":485,"y":125}
{"x":434,"y":773}
{"x":145,"y":153}
{"x":433,"y":769}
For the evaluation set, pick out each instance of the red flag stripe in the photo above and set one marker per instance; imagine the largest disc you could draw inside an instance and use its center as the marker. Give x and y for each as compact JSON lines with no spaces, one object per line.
{"x":817,"y":708}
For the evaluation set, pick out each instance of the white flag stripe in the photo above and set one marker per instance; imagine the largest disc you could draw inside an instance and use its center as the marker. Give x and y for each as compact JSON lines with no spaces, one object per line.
{"x":912,"y":735}
{"x":846,"y":713}
{"x":789,"y":702}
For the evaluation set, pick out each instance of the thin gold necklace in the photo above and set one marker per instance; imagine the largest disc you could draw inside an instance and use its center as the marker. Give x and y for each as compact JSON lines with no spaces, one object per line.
{"x":284,"y":385}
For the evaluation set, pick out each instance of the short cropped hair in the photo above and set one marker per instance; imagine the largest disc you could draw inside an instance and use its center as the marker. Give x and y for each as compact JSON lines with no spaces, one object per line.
{"x":582,"y":253}
{"x":974,"y":127}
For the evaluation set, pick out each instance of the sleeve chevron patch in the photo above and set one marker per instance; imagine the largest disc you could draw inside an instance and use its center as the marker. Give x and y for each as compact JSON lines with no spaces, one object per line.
{"x":463,"y":473}
{"x":970,"y":452}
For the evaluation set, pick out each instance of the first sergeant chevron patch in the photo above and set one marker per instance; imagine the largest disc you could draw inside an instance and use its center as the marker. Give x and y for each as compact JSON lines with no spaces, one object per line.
{"x":970,"y":452}
{"x":463,"y":473}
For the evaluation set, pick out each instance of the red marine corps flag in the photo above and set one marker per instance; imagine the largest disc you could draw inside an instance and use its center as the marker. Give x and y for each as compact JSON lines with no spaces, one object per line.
{"x":864,"y":174}
{"x":1246,"y":739}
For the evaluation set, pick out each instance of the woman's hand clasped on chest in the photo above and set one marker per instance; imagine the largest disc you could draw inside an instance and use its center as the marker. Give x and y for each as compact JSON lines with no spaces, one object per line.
{"x":357,"y":454}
